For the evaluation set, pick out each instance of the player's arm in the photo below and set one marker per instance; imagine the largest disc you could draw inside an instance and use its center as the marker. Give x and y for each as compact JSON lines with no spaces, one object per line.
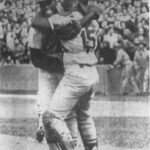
{"x":118,"y":59}
{"x":41,"y":23}
{"x":69,"y":28}
{"x":65,"y":31}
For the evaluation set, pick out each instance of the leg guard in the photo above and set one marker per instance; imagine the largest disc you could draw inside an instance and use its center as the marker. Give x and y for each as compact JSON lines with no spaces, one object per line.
{"x":56,"y":131}
{"x":92,"y":146}
{"x":40,"y":135}
{"x":88,"y":130}
{"x":40,"y":130}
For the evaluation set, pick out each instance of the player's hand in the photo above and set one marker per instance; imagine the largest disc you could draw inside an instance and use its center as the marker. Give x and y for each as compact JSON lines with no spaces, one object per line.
{"x":101,"y":60}
{"x":96,"y":10}
{"x":58,"y":20}
{"x":110,"y":67}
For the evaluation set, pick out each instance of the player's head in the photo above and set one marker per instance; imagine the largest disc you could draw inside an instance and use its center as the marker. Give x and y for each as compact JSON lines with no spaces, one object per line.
{"x":69,"y":5}
{"x":47,"y":5}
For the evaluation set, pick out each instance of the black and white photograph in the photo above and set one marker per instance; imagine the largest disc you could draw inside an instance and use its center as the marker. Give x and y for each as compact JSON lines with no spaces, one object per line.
{"x":74,"y":75}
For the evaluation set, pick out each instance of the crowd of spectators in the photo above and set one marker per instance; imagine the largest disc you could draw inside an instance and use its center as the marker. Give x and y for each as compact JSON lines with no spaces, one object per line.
{"x":15,"y":22}
{"x":126,"y":20}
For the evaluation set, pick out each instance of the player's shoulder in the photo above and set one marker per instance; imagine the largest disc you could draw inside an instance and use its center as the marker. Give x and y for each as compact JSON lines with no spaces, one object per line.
{"x":76,"y":15}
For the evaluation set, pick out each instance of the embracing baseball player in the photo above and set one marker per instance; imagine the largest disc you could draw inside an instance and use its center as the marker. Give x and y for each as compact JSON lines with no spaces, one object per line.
{"x":46,"y":56}
{"x":86,"y":46}
{"x":77,"y":87}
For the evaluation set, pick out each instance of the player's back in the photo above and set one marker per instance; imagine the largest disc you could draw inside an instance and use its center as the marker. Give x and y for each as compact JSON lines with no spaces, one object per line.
{"x":81,"y":49}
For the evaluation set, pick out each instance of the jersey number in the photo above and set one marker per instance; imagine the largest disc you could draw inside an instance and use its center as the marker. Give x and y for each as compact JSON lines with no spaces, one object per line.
{"x":89,"y":39}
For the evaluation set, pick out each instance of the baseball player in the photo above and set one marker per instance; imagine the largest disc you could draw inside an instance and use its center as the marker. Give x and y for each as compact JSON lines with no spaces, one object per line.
{"x":56,"y":19}
{"x":45,"y":56}
{"x":141,"y":60}
{"x":77,"y":87}
{"x":43,"y":45}
{"x":123,"y":60}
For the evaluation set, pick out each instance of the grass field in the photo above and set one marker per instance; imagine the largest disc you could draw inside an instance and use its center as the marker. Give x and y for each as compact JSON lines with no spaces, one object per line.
{"x":120,"y":131}
{"x":126,"y":132}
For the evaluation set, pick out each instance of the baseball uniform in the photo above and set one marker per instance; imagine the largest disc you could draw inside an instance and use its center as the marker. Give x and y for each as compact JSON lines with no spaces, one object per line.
{"x":78,"y":85}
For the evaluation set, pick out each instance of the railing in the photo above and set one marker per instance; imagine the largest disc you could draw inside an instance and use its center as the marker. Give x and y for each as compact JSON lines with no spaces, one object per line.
{"x":24,"y":79}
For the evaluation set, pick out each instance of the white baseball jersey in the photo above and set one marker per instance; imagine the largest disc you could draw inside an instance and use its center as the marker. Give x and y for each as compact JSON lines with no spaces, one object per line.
{"x":81,"y":49}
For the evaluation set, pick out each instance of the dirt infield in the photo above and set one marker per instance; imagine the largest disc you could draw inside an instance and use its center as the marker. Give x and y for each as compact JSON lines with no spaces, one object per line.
{"x":123,"y":123}
{"x":21,"y":143}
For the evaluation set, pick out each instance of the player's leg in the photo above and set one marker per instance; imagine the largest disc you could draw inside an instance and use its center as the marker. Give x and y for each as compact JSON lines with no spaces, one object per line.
{"x":85,"y":121}
{"x":51,"y":81}
{"x":63,"y":102}
{"x":73,"y":127}
{"x":47,"y":83}
{"x":53,"y":140}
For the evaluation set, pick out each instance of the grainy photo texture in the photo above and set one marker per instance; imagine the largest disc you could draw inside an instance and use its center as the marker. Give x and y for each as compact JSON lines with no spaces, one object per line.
{"x":74,"y":75}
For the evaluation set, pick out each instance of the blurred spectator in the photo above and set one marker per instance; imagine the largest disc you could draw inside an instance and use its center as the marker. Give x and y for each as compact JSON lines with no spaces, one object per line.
{"x":123,"y":61}
{"x":1,"y":32}
{"x":111,"y":37}
{"x":106,"y":53}
{"x":127,"y":42}
{"x":121,"y":19}
{"x":18,"y":52}
{"x":141,"y":60}
{"x":24,"y":33}
{"x":10,"y":36}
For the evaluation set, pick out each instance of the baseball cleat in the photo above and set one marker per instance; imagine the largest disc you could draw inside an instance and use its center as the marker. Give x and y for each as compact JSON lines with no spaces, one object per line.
{"x":40,"y":135}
